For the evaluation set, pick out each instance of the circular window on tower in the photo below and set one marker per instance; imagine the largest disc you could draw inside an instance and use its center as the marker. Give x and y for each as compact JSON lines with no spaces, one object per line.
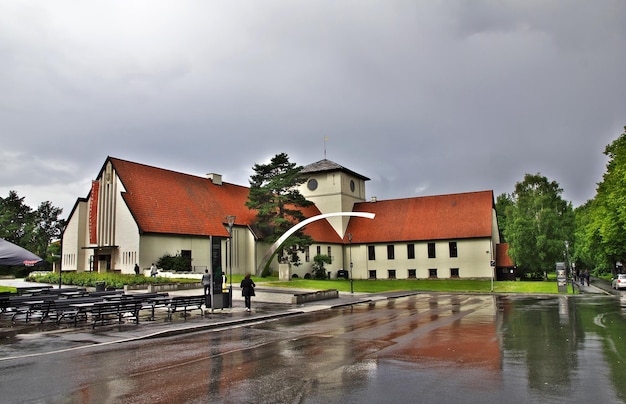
{"x":352,"y":185}
{"x":312,"y":184}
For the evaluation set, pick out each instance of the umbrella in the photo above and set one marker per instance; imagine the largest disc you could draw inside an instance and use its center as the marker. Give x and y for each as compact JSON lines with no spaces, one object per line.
{"x":11,"y":254}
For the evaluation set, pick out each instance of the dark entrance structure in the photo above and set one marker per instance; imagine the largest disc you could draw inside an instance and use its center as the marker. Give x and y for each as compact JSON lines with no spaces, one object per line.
{"x":505,"y":269}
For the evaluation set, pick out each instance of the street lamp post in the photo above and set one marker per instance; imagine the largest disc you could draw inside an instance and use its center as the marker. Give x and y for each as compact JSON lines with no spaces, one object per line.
{"x":230,"y":219}
{"x":351,"y":284}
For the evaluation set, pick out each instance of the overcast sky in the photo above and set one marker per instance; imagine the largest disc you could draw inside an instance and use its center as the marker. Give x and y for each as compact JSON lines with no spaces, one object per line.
{"x":423,"y":97}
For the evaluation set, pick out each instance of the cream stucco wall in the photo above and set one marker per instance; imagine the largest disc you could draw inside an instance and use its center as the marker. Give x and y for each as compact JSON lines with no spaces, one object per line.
{"x":74,"y":237}
{"x":154,"y":246}
{"x":473,"y":261}
{"x":334,"y":194}
{"x":244,"y":252}
{"x":126,"y":237}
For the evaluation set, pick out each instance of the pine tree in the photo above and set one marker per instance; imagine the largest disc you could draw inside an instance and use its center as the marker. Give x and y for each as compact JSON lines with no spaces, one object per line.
{"x":274,"y":195}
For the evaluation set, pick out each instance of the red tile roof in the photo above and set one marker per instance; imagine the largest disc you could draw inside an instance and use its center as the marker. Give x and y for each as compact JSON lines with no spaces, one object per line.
{"x":453,"y":216}
{"x":169,"y":202}
{"x":503,"y":260}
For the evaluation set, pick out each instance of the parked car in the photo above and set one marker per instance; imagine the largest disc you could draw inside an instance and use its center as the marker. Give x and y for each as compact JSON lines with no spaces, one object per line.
{"x":619,"y":282}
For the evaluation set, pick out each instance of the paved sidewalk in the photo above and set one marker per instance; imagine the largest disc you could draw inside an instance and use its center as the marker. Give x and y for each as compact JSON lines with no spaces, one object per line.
{"x":31,"y":339}
{"x":596,"y":286}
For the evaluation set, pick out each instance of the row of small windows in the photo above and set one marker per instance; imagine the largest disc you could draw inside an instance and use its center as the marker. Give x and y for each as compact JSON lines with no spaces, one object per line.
{"x":307,"y":253}
{"x":391,"y":253}
{"x":412,"y":273}
{"x":410,"y":251}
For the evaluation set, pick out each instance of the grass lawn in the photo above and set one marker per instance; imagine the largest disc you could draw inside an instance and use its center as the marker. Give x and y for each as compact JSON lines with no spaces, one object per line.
{"x":384,"y":285}
{"x":7,"y":289}
{"x":427,"y":285}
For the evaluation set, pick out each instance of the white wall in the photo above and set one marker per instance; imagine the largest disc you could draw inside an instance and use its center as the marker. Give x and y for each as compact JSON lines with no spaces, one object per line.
{"x":73,"y":256}
{"x":155,"y":246}
{"x":473,"y":260}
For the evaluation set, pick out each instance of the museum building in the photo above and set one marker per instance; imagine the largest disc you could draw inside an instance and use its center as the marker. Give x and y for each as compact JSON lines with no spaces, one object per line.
{"x":135,"y":213}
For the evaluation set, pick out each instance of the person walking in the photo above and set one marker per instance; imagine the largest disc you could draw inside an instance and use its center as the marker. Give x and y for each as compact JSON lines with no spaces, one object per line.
{"x":206,"y":282}
{"x":153,"y":271}
{"x":136,"y":269}
{"x":247,"y":290}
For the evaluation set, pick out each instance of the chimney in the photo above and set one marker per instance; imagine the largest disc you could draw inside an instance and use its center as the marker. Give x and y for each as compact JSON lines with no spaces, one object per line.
{"x":215,"y":178}
{"x":373,"y":199}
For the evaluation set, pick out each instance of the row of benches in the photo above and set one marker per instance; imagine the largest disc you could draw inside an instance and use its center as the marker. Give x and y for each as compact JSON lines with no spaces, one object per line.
{"x":11,"y":301}
{"x":102,"y":311}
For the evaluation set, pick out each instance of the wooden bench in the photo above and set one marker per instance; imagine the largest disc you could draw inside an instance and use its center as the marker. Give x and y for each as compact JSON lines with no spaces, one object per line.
{"x":9,"y":305}
{"x":103,"y":312}
{"x":106,"y":293}
{"x":72,"y":309}
{"x":149,"y":301}
{"x":32,"y":308}
{"x":184,"y":304}
{"x":32,"y":290}
{"x":61,"y":291}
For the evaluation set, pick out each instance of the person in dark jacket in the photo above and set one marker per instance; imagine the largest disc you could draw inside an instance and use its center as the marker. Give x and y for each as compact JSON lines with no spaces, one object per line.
{"x":247,"y":290}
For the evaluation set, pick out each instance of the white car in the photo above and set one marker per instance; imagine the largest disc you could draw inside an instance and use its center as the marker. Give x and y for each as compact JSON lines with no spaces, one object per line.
{"x":619,"y":282}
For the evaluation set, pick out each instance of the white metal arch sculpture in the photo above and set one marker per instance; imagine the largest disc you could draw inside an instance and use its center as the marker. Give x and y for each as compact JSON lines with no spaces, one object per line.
{"x":272,"y":250}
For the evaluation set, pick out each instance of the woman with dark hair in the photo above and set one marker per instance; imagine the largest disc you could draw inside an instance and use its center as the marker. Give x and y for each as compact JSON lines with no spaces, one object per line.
{"x":247,"y":290}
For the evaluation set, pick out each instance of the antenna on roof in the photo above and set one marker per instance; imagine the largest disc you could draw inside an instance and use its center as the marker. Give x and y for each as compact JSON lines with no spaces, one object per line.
{"x":325,"y":139}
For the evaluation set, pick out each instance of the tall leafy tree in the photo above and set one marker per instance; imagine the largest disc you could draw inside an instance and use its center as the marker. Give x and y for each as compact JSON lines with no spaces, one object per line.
{"x":30,"y":229}
{"x":47,"y":227}
{"x":16,"y":219}
{"x":504,"y":202}
{"x":605,"y":232}
{"x":538,"y":223}
{"x":588,"y":253}
{"x":274,"y":195}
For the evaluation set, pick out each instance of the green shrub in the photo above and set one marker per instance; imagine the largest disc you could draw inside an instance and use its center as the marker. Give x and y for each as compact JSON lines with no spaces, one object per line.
{"x":174,"y":263}
{"x":111,"y":279}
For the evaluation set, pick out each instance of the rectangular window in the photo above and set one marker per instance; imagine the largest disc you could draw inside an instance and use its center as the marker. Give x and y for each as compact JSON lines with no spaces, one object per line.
{"x":412,"y":273}
{"x":431,"y":250}
{"x":372,"y":273}
{"x":319,"y":250}
{"x":307,"y":254}
{"x":453,"y":250}
{"x":390,"y":252}
{"x":330,"y":254}
{"x":432,"y":273}
{"x":410,"y":251}
{"x":371,"y":253}
{"x":391,"y":273}
{"x":454,"y":272}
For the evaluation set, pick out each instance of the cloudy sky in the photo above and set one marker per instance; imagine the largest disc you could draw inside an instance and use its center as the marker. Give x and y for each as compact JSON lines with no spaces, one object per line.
{"x":424,"y":97}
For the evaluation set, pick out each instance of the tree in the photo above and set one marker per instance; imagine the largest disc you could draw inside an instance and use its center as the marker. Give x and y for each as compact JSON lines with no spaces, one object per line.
{"x":32,"y":230}
{"x":47,"y":227}
{"x":538,"y":222}
{"x":504,"y":202}
{"x":604,"y":233}
{"x":588,"y":252}
{"x":275,"y":197}
{"x":15,"y":219}
{"x":176,"y":262}
{"x":319,"y":272}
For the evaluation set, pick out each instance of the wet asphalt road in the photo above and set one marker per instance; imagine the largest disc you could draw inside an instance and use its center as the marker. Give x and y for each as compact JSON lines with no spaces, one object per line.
{"x":420,"y":348}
